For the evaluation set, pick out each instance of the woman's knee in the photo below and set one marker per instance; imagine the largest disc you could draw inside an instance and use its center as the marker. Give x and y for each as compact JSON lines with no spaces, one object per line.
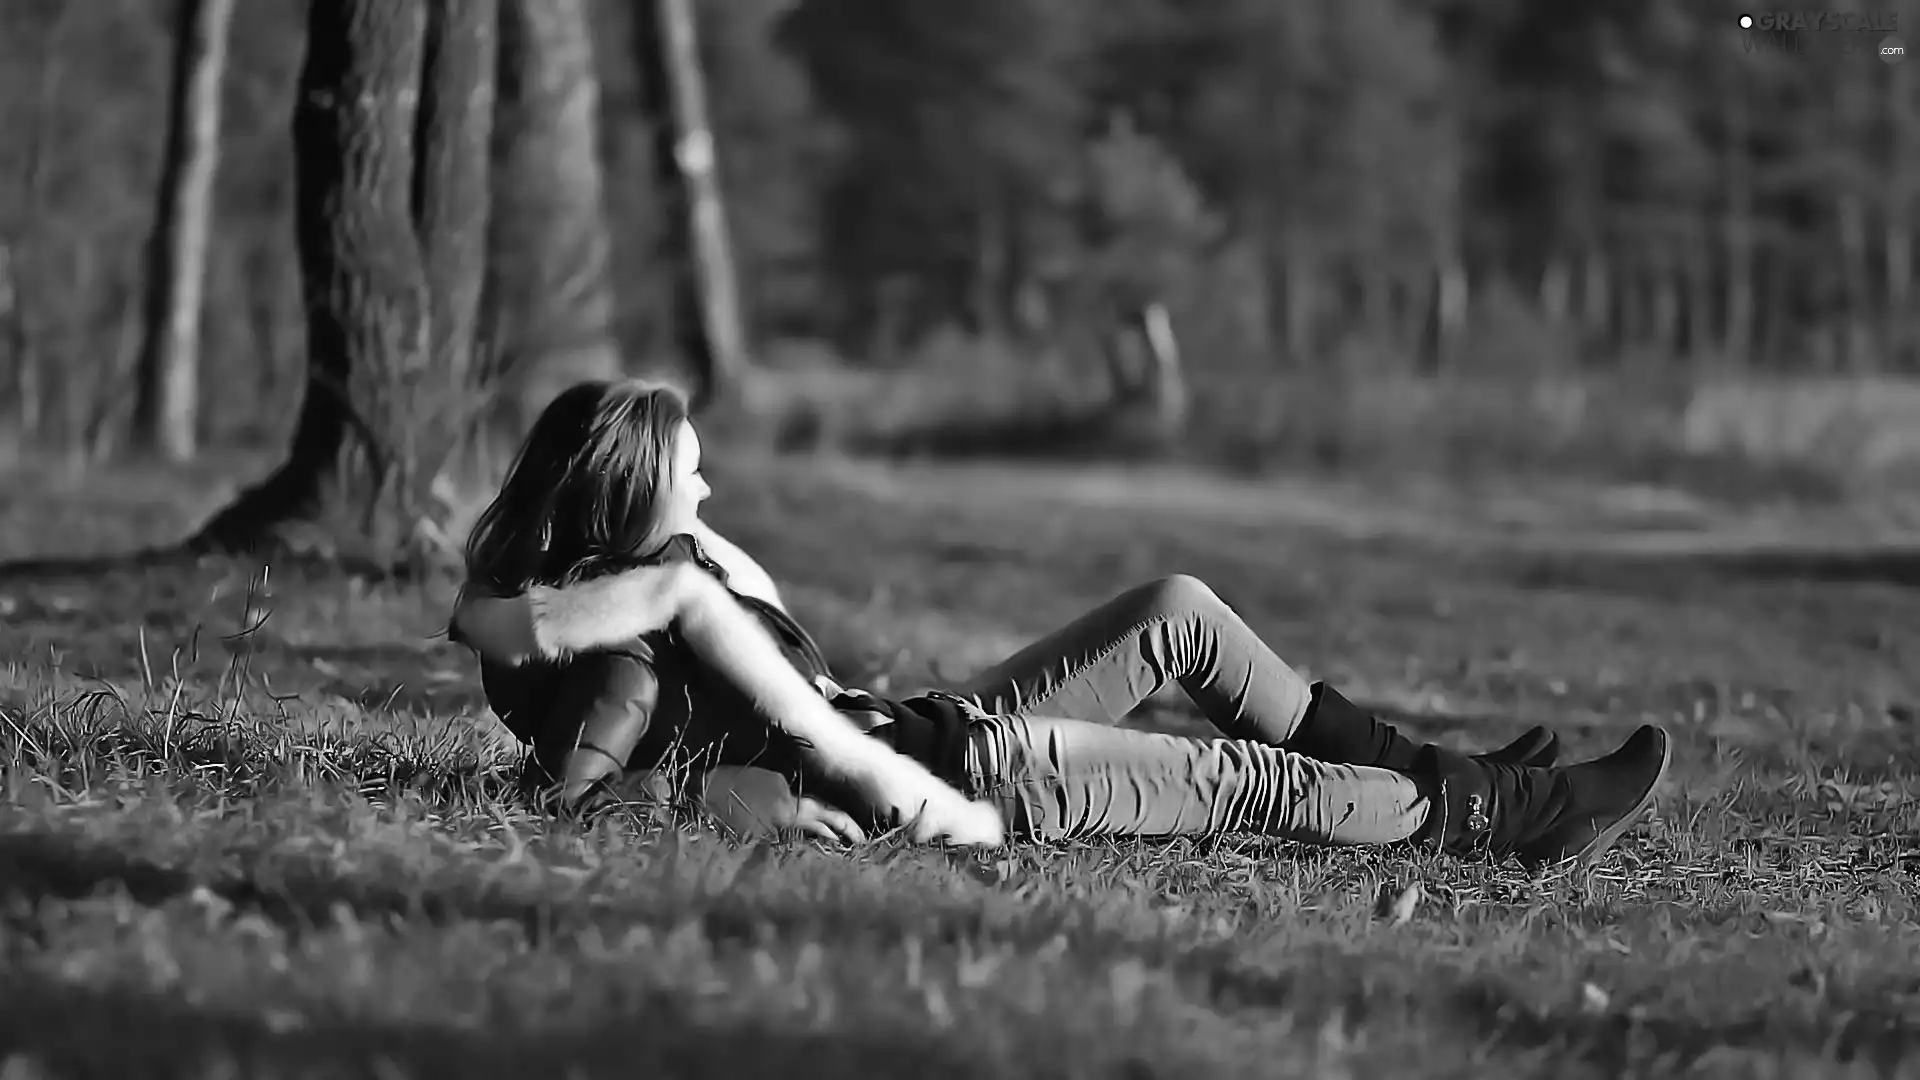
{"x":1178,"y":592}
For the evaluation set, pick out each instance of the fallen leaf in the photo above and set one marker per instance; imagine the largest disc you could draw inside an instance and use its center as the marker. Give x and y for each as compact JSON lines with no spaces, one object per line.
{"x":1594,"y":999}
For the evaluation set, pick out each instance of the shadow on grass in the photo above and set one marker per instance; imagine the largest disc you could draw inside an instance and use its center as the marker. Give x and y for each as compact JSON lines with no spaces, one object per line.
{"x":1900,"y":567}
{"x":1615,"y":1041}
{"x":61,"y":1025}
{"x":303,"y":897}
{"x":403,"y":678}
{"x":75,"y":1032}
{"x":1695,"y":573}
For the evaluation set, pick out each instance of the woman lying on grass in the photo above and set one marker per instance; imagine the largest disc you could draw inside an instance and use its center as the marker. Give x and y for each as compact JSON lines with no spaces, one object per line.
{"x":618,"y":633}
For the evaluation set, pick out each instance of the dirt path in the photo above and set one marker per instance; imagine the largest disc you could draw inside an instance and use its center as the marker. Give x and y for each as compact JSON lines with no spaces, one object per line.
{"x":1564,"y":518}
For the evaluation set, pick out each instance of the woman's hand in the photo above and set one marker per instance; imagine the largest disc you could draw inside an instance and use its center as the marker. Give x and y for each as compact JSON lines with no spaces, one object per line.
{"x":930,"y":811}
{"x":748,"y":801}
{"x":811,"y":817}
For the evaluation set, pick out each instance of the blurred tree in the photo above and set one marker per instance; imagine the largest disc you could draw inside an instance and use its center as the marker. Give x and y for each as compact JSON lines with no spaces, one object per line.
{"x":775,"y":153}
{"x":721,"y":345}
{"x":1323,"y":132}
{"x":166,"y":408}
{"x":638,"y":208}
{"x":549,"y":297}
{"x":81,"y":171}
{"x":771,"y":149}
{"x":1637,"y":176}
{"x":964,"y":127}
{"x":390,"y":139}
{"x":35,"y":66}
{"x":548,"y":313}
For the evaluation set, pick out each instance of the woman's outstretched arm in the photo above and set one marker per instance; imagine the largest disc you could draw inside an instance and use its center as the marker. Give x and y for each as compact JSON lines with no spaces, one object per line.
{"x":549,"y":623}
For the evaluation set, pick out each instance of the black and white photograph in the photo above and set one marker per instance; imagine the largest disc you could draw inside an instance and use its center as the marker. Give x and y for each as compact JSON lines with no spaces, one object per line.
{"x":997,"y":539}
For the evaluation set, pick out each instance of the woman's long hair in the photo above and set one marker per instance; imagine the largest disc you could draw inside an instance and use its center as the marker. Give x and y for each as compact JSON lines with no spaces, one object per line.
{"x":584,"y":493}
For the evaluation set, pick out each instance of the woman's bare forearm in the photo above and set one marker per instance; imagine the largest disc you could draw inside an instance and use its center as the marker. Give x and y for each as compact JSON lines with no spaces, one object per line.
{"x":726,"y":636}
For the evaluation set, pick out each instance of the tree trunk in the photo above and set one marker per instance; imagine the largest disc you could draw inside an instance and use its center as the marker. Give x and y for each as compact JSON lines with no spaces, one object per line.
{"x":1447,"y":315}
{"x":1596,"y":298}
{"x":1556,"y":288}
{"x":991,"y":267}
{"x":376,"y":418}
{"x":1898,"y":256}
{"x":451,"y":205}
{"x":724,"y":358}
{"x":1851,"y":103}
{"x":1663,"y":308}
{"x":547,"y":318}
{"x":166,"y":405}
{"x":20,"y":258}
{"x":22,"y":367}
{"x":1737,"y":233}
{"x":1696,"y":300}
{"x":1850,"y":215}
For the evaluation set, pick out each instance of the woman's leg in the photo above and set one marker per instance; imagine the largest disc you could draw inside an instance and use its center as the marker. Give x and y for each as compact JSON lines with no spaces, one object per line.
{"x":1103,"y":664}
{"x":1063,"y":779}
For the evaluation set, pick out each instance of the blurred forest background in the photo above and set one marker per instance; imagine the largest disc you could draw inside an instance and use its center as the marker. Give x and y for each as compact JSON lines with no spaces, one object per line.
{"x":1614,"y":234}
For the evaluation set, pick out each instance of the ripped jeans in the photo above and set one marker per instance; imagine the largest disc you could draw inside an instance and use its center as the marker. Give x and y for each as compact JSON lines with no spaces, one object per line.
{"x":1055,"y":778}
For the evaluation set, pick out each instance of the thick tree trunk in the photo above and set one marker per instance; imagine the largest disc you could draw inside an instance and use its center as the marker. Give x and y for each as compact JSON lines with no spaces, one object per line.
{"x":547,"y":312}
{"x":166,"y":405}
{"x":452,"y":205}
{"x":376,"y":420}
{"x":548,"y":287}
{"x":451,"y":196}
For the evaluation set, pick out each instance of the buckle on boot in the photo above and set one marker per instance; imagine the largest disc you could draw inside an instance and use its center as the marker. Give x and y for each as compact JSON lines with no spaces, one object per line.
{"x":1477,"y":814}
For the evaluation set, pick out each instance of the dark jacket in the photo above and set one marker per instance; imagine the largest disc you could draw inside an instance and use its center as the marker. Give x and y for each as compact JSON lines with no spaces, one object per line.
{"x":695,"y":720}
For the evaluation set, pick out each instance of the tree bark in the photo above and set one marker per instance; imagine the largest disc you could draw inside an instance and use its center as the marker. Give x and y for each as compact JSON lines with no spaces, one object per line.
{"x":723,"y":361}
{"x":452,"y":202}
{"x":547,"y":305}
{"x":166,"y":405}
{"x":1898,"y":198}
{"x":379,"y":409}
{"x":548,"y":292}
{"x":1737,"y":232}
{"x":19,"y":249}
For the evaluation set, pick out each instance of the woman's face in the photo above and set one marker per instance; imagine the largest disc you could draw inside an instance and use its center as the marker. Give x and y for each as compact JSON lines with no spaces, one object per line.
{"x":686,"y":488}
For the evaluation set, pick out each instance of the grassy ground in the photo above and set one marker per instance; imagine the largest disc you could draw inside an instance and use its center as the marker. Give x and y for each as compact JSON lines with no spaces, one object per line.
{"x":259,"y":827}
